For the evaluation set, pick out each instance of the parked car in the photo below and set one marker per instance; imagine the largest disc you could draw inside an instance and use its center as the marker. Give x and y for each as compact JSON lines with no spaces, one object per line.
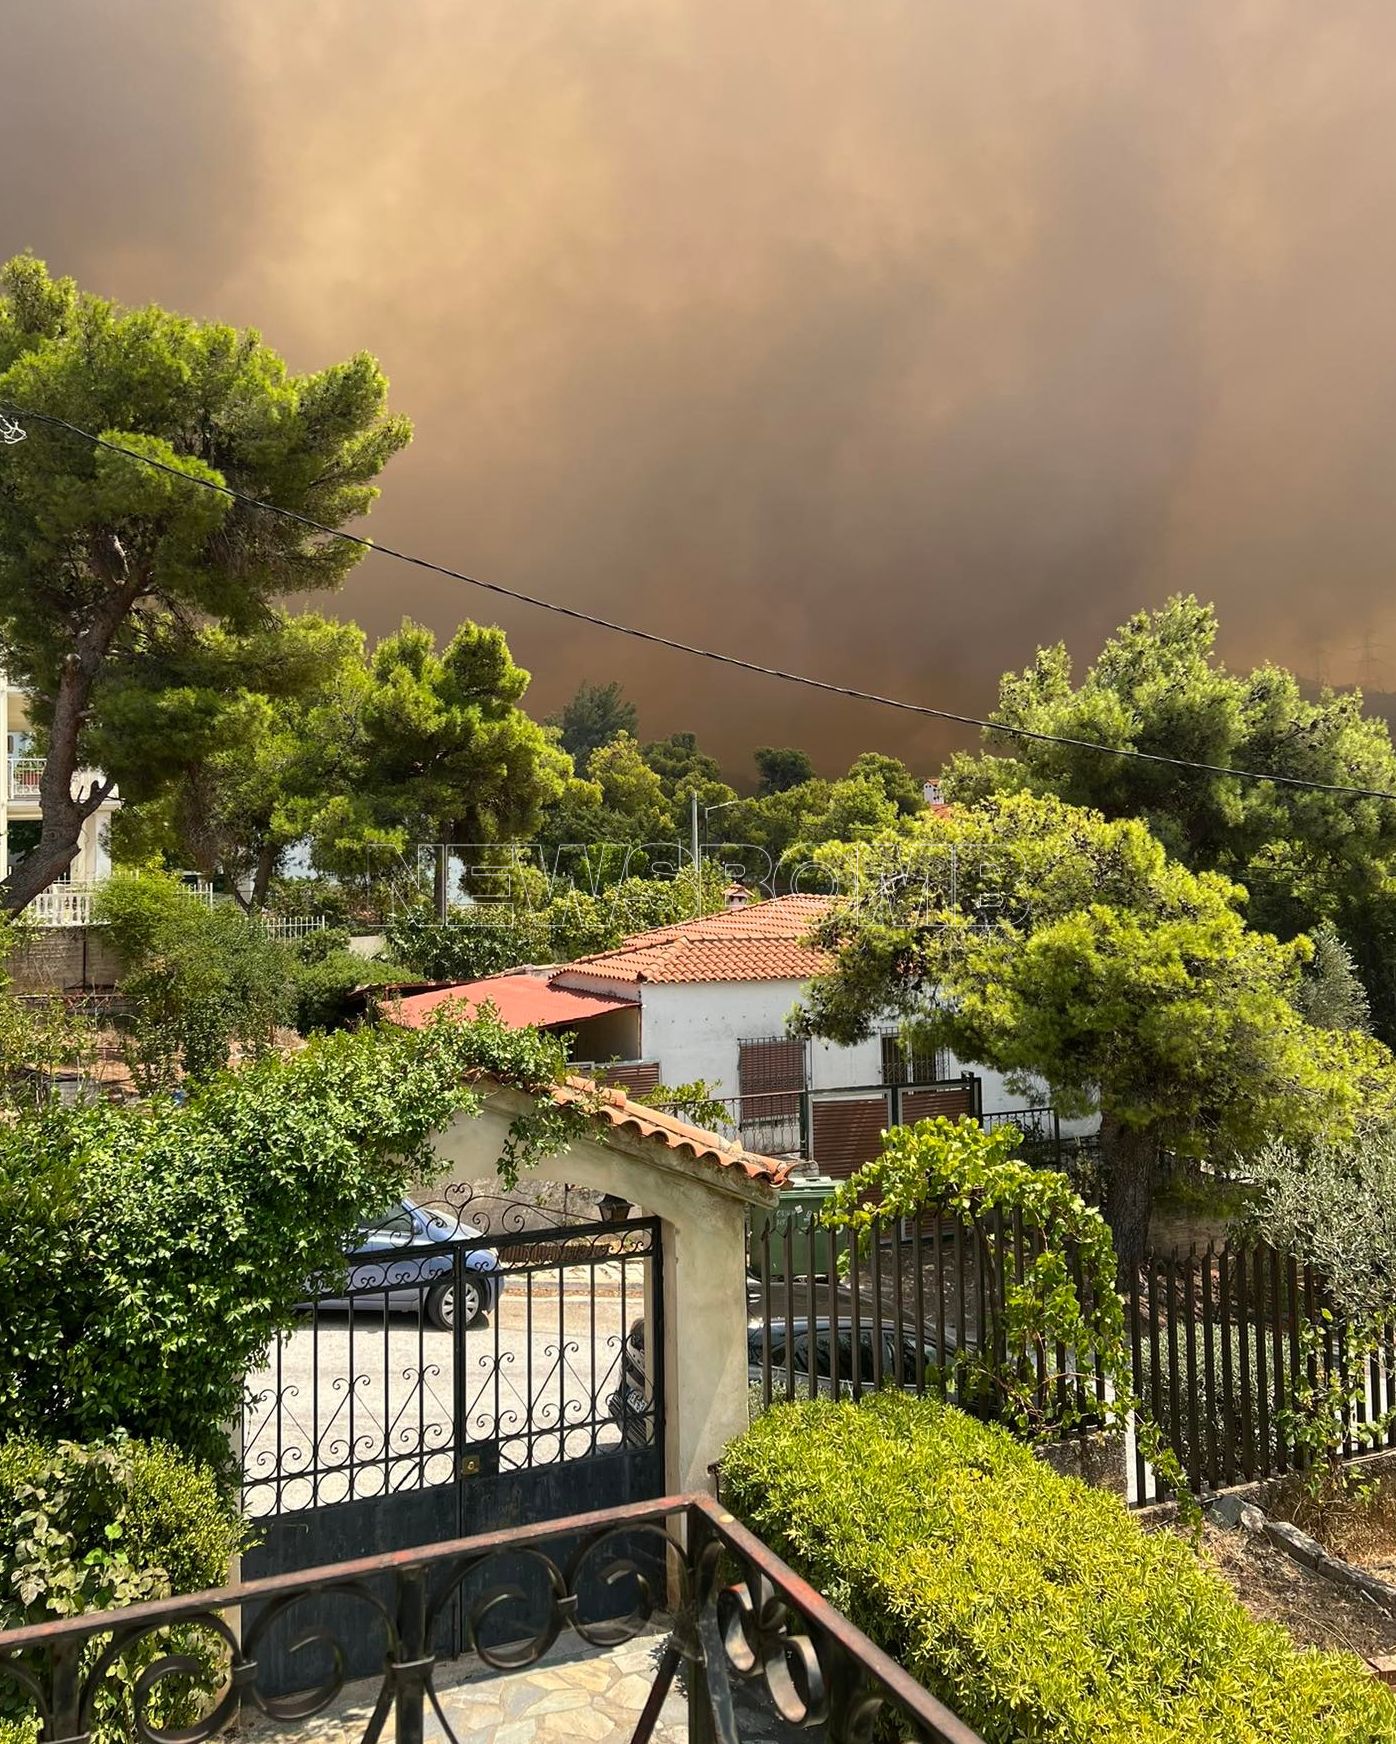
{"x":630,"y":1406}
{"x":790,"y":1344}
{"x":384,"y":1261}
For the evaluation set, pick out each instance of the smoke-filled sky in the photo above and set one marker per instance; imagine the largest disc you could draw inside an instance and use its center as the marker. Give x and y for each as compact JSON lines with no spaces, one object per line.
{"x":883,"y":339}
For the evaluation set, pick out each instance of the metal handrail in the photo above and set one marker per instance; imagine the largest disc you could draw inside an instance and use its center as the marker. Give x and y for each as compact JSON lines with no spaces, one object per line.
{"x":751,"y":1629}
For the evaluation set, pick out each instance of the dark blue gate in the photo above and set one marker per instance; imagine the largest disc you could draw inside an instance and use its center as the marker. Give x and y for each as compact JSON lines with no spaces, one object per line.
{"x":389,"y":1418}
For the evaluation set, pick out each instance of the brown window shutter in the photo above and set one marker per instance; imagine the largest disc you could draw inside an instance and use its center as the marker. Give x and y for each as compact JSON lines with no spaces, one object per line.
{"x":634,"y":1077}
{"x":769,"y":1070}
{"x":926,"y":1104}
{"x":847,"y":1132}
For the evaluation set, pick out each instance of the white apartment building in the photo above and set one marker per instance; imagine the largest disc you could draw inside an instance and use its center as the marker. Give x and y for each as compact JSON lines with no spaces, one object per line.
{"x":20,"y":812}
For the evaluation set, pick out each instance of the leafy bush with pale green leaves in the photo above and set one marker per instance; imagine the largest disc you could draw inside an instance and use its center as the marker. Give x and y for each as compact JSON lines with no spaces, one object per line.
{"x":114,"y":1523}
{"x":151,"y":1253}
{"x":196,"y":977}
{"x":1035,"y":1607}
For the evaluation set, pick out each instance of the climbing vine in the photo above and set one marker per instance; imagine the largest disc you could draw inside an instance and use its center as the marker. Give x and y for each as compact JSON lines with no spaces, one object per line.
{"x":1049,"y":1273}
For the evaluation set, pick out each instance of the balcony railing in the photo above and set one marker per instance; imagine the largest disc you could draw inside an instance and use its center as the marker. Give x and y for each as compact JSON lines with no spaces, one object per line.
{"x":25,"y":776}
{"x":70,"y":904}
{"x":62,"y":905}
{"x":746,"y":1630}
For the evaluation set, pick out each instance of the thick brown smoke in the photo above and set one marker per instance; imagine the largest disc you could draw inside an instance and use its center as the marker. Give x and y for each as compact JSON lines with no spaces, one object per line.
{"x":882,"y":338}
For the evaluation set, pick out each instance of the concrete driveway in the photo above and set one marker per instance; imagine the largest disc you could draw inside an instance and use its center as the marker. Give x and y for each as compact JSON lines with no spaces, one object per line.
{"x":353,"y":1406}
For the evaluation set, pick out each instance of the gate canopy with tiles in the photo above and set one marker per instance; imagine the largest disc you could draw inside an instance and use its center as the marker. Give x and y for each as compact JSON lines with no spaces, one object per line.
{"x":486,"y":1361}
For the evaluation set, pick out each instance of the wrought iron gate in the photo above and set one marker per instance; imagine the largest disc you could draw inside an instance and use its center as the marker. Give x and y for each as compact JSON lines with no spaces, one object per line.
{"x":457,"y":1383}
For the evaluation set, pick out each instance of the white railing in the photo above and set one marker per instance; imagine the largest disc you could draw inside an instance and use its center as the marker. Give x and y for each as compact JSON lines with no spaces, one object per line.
{"x":62,"y":905}
{"x":25,"y":775}
{"x":293,"y":926}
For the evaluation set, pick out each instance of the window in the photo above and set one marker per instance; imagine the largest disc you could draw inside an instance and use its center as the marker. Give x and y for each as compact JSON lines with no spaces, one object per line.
{"x":901,"y":1065}
{"x":771,"y":1075}
{"x":392,"y":1229}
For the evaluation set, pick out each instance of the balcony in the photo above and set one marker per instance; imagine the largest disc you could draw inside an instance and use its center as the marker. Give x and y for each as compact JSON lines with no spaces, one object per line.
{"x":25,"y":774}
{"x":726,"y":1632}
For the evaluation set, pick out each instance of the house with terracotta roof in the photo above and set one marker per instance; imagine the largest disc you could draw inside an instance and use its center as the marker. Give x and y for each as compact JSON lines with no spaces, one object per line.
{"x":708,"y":999}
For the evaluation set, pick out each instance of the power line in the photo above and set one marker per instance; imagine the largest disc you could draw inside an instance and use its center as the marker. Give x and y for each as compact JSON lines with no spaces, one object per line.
{"x":712,"y":654}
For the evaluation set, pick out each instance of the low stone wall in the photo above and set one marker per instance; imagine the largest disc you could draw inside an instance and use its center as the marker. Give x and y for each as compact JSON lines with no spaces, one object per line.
{"x":59,"y":959}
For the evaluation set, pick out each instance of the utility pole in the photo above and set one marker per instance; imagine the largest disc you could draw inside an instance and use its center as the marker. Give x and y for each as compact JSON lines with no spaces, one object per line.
{"x":697,"y":876}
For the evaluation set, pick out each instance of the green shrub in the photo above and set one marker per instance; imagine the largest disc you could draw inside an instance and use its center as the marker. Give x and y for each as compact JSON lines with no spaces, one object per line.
{"x":87,"y":1528}
{"x":196,"y":977}
{"x":1033,"y":1606}
{"x":150,"y":1253}
{"x":84,"y":1528}
{"x":322,"y":987}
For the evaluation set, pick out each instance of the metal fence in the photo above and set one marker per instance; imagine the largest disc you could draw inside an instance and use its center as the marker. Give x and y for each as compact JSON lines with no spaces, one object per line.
{"x":292,"y":926}
{"x":1230,"y":1347}
{"x":757,"y":1644}
{"x":921,"y":1307}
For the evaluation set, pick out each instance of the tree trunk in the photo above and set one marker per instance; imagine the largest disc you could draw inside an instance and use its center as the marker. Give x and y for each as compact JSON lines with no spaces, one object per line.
{"x":61,"y":815}
{"x":1130,"y":1155}
{"x":261,"y":878}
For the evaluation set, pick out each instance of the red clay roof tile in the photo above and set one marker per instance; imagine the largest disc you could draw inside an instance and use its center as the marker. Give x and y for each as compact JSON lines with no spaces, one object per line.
{"x":762,"y":941}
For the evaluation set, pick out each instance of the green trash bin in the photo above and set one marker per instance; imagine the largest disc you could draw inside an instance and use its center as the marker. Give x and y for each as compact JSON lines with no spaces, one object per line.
{"x":800,"y":1205}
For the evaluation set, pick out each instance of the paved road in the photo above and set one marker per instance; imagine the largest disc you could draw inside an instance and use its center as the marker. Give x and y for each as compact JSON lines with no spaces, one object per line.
{"x":349,"y":1407}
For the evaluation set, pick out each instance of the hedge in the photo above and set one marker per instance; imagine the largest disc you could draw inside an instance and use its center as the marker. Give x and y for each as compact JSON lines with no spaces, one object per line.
{"x":114,"y":1523}
{"x":1035,"y":1607}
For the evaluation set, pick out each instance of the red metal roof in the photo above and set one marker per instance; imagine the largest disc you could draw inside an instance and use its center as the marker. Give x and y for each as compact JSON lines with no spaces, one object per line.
{"x":522,"y":1001}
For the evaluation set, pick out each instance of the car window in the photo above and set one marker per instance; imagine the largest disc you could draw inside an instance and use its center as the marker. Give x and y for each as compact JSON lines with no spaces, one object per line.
{"x":392,"y":1229}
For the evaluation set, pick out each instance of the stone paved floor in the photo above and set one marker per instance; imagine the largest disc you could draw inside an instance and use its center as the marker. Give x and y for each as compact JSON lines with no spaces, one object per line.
{"x":576,"y":1695}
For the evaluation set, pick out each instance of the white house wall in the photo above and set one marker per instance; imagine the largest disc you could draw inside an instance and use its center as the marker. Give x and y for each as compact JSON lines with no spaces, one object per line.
{"x":692,"y":1029}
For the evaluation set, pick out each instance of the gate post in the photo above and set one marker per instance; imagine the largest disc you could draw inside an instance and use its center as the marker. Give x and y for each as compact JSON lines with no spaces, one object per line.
{"x":412,"y":1661}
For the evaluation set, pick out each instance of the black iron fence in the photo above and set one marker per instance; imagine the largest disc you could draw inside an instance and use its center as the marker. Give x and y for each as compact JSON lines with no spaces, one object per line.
{"x":744,"y":1628}
{"x":1239,"y":1361}
{"x":920,"y":1307}
{"x":1233,"y":1352}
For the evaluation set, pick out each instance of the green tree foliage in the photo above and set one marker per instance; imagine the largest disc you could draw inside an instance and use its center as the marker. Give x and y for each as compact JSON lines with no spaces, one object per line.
{"x":615,"y":824}
{"x":239,"y":743}
{"x":1033,"y":1606}
{"x":780,"y":768}
{"x":447,"y":753}
{"x":151,"y":1252}
{"x":890,"y":774}
{"x":197,"y":978}
{"x":108,"y":566}
{"x":487,"y":939}
{"x":1330,"y":994}
{"x":677,"y":760}
{"x":1042,"y":940}
{"x":597,"y":714}
{"x":298,"y":733}
{"x":1157,"y":686}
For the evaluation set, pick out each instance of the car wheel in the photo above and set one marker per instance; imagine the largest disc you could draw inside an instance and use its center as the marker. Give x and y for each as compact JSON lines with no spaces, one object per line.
{"x":441,"y":1305}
